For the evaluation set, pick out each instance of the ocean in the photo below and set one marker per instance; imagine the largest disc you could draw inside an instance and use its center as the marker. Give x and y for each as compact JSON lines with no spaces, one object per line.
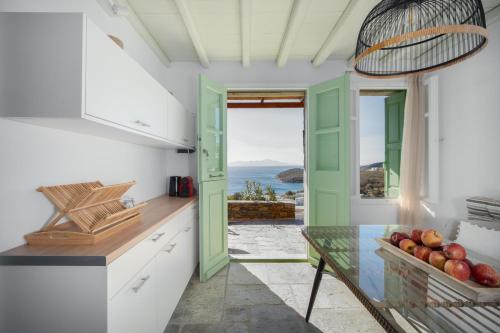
{"x":264,"y":175}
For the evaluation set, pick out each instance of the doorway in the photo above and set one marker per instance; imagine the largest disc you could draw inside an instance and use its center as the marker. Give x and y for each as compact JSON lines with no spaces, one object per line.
{"x":266,"y":149}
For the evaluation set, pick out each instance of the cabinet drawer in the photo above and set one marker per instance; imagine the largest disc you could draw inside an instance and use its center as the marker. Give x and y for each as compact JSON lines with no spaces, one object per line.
{"x":133,"y":309}
{"x":126,"y":266}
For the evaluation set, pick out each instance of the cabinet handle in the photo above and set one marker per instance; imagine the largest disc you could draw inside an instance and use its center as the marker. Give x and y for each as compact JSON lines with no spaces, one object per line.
{"x":157,"y":237}
{"x":141,"y":284}
{"x":205,"y":152}
{"x":185,"y":140}
{"x":187,"y":229}
{"x":141,"y":123}
{"x":172,"y":246}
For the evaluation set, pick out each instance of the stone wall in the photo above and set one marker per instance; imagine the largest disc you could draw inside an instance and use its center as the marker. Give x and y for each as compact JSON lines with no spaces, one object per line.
{"x":239,"y":210}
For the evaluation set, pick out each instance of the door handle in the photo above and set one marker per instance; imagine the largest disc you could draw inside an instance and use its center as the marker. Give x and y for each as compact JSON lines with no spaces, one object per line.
{"x":172,"y":246}
{"x":205,"y":152}
{"x":157,"y":237}
{"x":219,"y":175}
{"x":141,"y":284}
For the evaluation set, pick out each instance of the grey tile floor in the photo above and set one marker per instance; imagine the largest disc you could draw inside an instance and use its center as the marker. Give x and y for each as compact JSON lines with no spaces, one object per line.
{"x":267,"y":240}
{"x":271,"y":297}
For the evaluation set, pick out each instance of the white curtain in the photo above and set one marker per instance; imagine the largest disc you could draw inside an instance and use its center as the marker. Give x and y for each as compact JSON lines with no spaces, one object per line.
{"x":412,"y":152}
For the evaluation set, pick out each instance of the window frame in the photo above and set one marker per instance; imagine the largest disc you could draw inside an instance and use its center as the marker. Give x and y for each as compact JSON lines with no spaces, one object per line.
{"x":432,"y":186}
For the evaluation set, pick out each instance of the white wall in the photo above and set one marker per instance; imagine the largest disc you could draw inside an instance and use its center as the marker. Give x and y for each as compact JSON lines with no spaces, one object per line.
{"x":469,"y":96}
{"x":32,"y":156}
{"x":182,"y":77}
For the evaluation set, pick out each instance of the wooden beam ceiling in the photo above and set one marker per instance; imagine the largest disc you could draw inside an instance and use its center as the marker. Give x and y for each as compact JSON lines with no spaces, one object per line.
{"x":247,"y":95}
{"x":245,"y":18}
{"x":193,"y":32}
{"x":297,"y":16}
{"x":264,"y":105}
{"x":327,"y":47}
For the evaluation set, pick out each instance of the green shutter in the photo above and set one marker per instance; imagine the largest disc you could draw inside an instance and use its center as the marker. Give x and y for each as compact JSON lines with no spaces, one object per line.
{"x":212,"y":173}
{"x":328,"y":166}
{"x":394,"y":119}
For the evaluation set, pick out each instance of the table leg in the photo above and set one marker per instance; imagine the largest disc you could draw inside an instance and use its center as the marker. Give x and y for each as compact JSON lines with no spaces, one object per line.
{"x":317,"y":281}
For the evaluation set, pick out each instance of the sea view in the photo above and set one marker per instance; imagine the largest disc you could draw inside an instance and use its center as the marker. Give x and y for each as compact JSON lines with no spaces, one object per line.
{"x":262,"y":174}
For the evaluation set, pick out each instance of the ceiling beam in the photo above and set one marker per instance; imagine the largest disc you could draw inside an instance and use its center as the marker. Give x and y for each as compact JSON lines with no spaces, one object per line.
{"x":270,"y":105}
{"x":265,"y":94}
{"x":295,"y":20}
{"x":193,"y":33}
{"x":246,"y":22}
{"x":139,"y":27}
{"x":327,"y":47}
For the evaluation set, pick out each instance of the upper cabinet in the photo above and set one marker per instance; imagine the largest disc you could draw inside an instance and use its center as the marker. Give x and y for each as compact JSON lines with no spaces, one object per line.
{"x":68,"y":74}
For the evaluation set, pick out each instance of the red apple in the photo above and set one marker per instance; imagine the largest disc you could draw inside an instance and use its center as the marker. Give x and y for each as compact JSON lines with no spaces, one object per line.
{"x":437,"y":259}
{"x":454,"y":251}
{"x":458,"y":269}
{"x":422,"y":252}
{"x":431,"y":238}
{"x":468,"y":262}
{"x":486,"y":275}
{"x":397,"y":237}
{"x":407,"y":245}
{"x":416,"y":236}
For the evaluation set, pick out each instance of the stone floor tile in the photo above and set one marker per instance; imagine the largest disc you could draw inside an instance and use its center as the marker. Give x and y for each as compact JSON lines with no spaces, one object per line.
{"x":247,"y":273}
{"x":206,"y":310}
{"x":236,"y":314}
{"x":290,"y":273}
{"x":250,"y":295}
{"x":172,"y":328}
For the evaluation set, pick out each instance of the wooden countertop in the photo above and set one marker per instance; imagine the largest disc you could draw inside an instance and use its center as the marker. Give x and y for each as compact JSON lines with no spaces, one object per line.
{"x":158,"y":212}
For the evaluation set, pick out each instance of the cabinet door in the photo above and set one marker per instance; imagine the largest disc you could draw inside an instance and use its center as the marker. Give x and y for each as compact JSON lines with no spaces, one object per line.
{"x":133,"y":309}
{"x":170,"y":271}
{"x":191,"y":129}
{"x":177,"y":131}
{"x":119,"y":90}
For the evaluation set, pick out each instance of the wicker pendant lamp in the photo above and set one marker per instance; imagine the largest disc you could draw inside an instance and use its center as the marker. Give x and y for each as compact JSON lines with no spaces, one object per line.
{"x":401,"y":37}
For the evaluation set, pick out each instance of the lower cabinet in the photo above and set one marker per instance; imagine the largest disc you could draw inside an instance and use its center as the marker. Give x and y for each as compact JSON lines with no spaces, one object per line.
{"x":133,"y":310}
{"x":148,"y":300}
{"x":135,"y":293}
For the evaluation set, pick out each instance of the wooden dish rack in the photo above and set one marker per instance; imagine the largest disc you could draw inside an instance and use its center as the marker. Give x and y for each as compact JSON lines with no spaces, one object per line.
{"x":94,"y":212}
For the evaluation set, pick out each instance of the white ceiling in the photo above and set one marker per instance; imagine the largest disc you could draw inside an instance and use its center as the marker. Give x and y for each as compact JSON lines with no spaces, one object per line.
{"x":210,"y":30}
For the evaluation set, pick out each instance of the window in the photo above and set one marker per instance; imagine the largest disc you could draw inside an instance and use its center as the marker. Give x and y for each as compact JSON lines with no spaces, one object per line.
{"x":381,"y":117}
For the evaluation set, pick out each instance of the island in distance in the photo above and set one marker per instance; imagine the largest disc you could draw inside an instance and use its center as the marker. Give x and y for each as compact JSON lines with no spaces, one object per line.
{"x":294,"y":175}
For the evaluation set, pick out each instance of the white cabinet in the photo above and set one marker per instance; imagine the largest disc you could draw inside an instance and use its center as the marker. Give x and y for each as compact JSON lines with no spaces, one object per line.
{"x":136,"y":292}
{"x":69,"y":74}
{"x":170,"y":285}
{"x":133,"y":309}
{"x":117,"y":89}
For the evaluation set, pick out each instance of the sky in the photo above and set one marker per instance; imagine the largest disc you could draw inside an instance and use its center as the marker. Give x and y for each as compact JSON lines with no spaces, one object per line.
{"x":276,"y":134}
{"x":372,"y":129}
{"x":260,"y":134}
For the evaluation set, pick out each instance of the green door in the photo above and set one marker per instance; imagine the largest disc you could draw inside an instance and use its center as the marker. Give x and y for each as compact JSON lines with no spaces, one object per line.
{"x":328,"y":158}
{"x":212,"y":176}
{"x":394,"y":119}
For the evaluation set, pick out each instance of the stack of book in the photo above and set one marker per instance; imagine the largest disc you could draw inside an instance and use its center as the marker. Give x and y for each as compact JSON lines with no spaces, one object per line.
{"x":483,"y":209}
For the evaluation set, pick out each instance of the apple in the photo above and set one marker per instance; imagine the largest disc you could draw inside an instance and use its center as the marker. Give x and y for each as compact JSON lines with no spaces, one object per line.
{"x":431,"y":238}
{"x":437,"y":259}
{"x":486,"y":275}
{"x":468,"y":262}
{"x":397,"y":237}
{"x":416,"y":236}
{"x":422,"y":252}
{"x":407,"y":245}
{"x":458,"y":269}
{"x":454,"y":251}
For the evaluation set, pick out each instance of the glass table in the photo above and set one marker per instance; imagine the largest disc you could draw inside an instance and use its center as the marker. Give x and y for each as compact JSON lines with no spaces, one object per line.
{"x":401,"y":297}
